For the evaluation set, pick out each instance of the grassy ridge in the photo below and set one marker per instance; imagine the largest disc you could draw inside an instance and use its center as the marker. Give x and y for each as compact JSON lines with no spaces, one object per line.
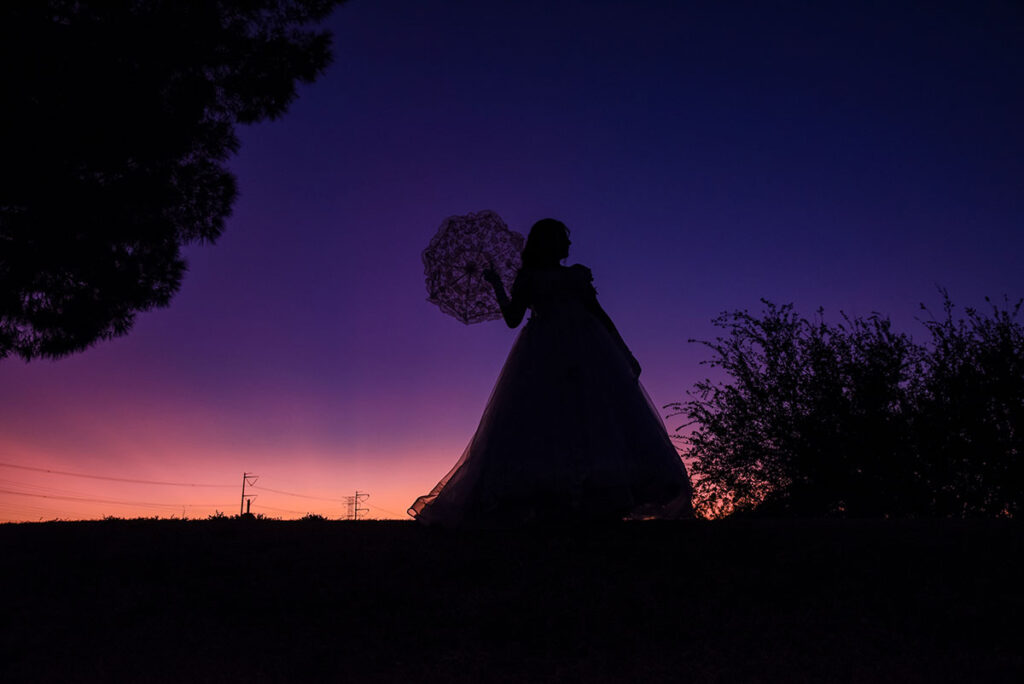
{"x":727,"y":601}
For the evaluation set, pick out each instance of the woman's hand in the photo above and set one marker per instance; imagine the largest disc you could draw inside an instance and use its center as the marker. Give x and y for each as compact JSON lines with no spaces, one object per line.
{"x":491,"y":276}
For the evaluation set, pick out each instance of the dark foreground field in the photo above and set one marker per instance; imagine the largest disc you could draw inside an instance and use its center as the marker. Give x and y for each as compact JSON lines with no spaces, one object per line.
{"x":259,"y":601}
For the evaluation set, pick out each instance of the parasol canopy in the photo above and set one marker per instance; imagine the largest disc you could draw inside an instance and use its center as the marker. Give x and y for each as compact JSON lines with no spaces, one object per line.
{"x":455,"y":260}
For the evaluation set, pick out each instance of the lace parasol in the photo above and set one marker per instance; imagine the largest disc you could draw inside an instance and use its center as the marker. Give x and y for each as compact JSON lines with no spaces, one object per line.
{"x":456,"y":258}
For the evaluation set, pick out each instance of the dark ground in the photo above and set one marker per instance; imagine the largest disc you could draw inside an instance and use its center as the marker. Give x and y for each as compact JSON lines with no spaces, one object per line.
{"x":739,"y":601}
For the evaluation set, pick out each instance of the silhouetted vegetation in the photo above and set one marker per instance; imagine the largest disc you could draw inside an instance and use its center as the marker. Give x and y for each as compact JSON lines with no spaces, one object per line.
{"x":118,"y":120}
{"x":856,"y":419}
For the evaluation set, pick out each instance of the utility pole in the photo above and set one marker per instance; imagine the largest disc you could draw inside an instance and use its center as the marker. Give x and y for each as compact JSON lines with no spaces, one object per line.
{"x":353,"y":504}
{"x":245,"y":479}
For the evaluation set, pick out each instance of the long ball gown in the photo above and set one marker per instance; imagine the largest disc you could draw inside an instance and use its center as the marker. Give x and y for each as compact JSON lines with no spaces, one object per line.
{"x":568,"y":434}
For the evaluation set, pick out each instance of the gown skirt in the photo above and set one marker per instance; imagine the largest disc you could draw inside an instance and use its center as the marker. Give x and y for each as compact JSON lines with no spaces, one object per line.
{"x":568,"y":434}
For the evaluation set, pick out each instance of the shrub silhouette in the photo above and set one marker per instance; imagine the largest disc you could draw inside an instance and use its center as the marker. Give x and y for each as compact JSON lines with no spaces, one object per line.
{"x":313,"y":518}
{"x":856,"y":419}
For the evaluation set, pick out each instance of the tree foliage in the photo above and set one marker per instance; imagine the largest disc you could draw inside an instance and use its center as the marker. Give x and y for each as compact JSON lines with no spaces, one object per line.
{"x":856,"y":419}
{"x":118,"y":119}
{"x":969,"y":412}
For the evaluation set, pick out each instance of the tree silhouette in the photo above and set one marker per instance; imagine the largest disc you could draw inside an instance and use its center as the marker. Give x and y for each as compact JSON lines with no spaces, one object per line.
{"x":969,"y":413}
{"x":118,"y":119}
{"x":855,"y":419}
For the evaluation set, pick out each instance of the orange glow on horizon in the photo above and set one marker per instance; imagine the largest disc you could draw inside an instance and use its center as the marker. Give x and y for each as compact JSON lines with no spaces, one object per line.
{"x":287,"y":486}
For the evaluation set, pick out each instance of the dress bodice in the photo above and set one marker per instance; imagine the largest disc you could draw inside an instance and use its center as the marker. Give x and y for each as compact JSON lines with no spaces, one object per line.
{"x":555,"y":291}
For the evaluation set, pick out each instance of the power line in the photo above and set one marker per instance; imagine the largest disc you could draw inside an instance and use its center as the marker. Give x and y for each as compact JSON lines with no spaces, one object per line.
{"x":80,"y":498}
{"x":284,"y":510}
{"x":384,"y":510}
{"x":39,"y":489}
{"x":23,"y":508}
{"x":31,"y":489}
{"x":69,"y":495}
{"x":114,"y":479}
{"x":304,"y":496}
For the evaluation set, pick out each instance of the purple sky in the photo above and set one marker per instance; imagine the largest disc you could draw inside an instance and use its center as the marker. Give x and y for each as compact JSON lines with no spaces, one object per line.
{"x":704,"y":155}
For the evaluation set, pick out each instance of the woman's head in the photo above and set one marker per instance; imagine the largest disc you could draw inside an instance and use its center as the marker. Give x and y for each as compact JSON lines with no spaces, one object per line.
{"x":547,"y":244}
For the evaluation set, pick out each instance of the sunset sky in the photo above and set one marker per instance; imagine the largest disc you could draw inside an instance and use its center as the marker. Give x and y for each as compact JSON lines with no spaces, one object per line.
{"x":705,"y":155}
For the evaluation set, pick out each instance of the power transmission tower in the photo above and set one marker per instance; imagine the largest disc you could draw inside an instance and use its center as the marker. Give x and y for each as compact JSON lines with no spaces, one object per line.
{"x":353,"y":504}
{"x":245,"y":480}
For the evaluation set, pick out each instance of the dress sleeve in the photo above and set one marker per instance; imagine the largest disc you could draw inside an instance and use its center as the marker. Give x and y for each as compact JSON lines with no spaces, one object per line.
{"x":585,"y":277}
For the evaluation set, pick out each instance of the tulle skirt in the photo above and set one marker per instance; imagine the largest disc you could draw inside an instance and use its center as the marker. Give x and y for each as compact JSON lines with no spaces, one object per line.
{"x":568,"y":434}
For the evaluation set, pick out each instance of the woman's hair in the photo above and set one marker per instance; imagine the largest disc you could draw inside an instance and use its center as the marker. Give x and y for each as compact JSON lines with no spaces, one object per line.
{"x":546,"y":237}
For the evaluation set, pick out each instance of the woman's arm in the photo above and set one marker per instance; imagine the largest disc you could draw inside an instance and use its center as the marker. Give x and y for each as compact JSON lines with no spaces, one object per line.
{"x":512,"y":310}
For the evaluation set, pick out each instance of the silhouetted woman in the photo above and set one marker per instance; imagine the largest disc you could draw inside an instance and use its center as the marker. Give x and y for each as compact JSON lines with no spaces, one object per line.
{"x":568,"y":433}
